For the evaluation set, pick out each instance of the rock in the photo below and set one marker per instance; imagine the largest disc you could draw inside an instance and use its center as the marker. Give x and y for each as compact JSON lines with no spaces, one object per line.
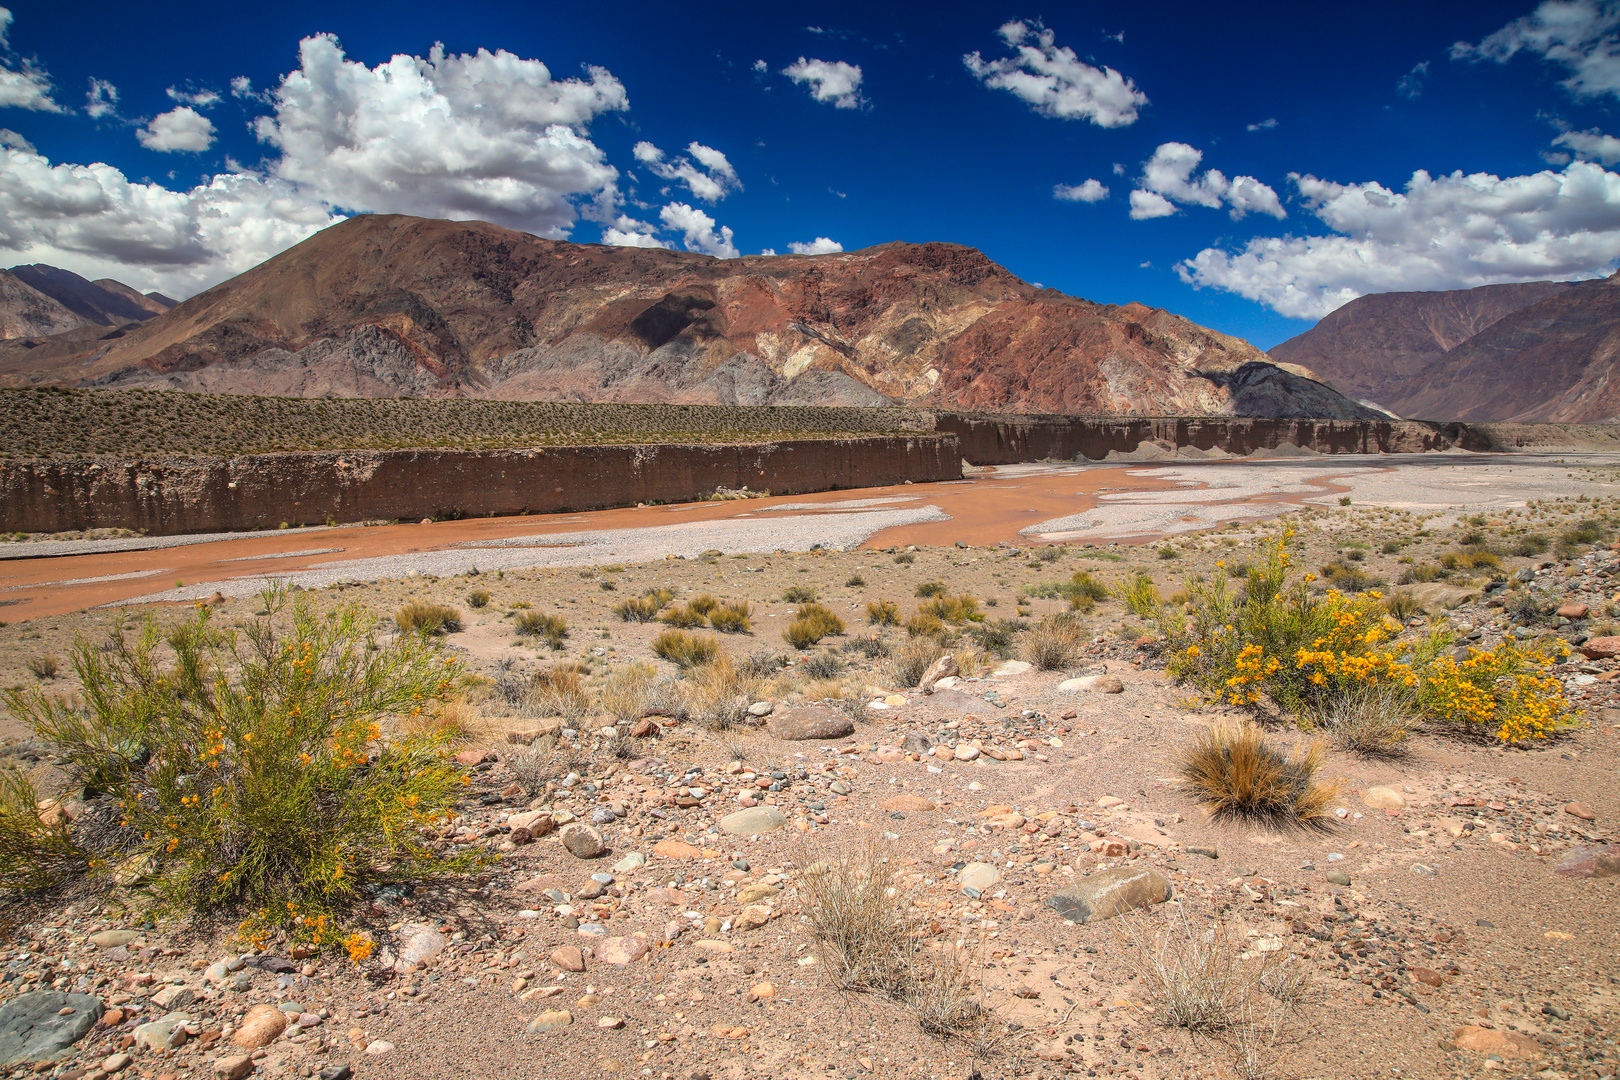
{"x":379,"y":1047}
{"x":761,"y":708}
{"x":470,"y":758}
{"x":33,"y":1026}
{"x":1338,"y":877}
{"x":262,"y":1025}
{"x":1010,"y":668}
{"x":753,"y":917}
{"x":1110,"y":847}
{"x":753,"y":821}
{"x":942,"y":668}
{"x":168,"y":1032}
{"x":1210,"y":852}
{"x":1573,"y":610}
{"x":1383,"y":798}
{"x":336,"y":1072}
{"x":235,"y":1067}
{"x":551,"y":1018}
{"x":1108,"y":893}
{"x":171,"y":998}
{"x":920,"y":745}
{"x":676,"y":849}
{"x":1095,"y":684}
{"x":610,"y":1023}
{"x":762,"y":992}
{"x":1434,"y":597}
{"x":1580,"y":810}
{"x":1489,"y":1041}
{"x":967,"y":752}
{"x":908,"y":803}
{"x":1601,"y":648}
{"x":748,"y":894}
{"x":112,"y":939}
{"x":712,"y":947}
{"x":1602,"y":861}
{"x":537,"y":822}
{"x":1427,"y":976}
{"x":978,"y":875}
{"x":568,"y":958}
{"x":620,"y":951}
{"x":944,"y":753}
{"x":582,"y":841}
{"x":809,"y":722}
{"x":422,"y":943}
{"x":633,"y":861}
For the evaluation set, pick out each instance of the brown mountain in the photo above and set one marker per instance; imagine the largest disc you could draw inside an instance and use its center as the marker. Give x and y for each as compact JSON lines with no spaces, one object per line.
{"x":99,"y":303}
{"x":1376,"y":348}
{"x":398,"y":306}
{"x":27,"y":312}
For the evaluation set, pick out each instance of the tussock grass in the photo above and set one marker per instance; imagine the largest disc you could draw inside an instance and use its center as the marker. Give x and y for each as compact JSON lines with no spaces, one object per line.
{"x":643,"y":608}
{"x":800,"y":594}
{"x":1053,"y":643}
{"x":425,"y":617}
{"x":553,"y":629}
{"x":716,"y":693}
{"x":732,"y":617}
{"x":684,"y":649}
{"x":912,"y":658}
{"x":931,"y":588}
{"x":627,"y":691}
{"x":703,"y":604}
{"x":478,"y":598}
{"x":883,"y":613}
{"x":923,"y":624}
{"x":559,"y":691}
{"x":1370,"y":719}
{"x":1236,"y":772}
{"x":43,"y":667}
{"x":683,"y":616}
{"x":955,"y":610}
{"x":810,"y":624}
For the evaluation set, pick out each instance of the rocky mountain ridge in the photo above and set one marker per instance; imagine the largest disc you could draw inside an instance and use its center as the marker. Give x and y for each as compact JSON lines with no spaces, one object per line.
{"x":388,"y":305}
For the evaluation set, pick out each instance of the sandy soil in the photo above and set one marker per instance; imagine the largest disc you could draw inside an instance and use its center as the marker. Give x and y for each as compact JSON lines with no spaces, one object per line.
{"x":1455,"y":888}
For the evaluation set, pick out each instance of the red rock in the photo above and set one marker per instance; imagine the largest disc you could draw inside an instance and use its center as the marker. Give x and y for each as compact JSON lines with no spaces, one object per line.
{"x":1601,"y":648}
{"x":644,"y":729}
{"x":676,"y":849}
{"x":1490,"y":1041}
{"x":1602,"y":861}
{"x":620,"y":951}
{"x":1580,"y":810}
{"x":1427,"y":976}
{"x":568,"y":958}
{"x":1573,"y":610}
{"x":470,"y":758}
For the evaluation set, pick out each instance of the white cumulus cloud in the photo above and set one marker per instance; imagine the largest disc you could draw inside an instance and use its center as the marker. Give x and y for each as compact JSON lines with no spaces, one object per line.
{"x":1145,"y":206}
{"x":697,"y":230}
{"x":1578,"y":35}
{"x":1448,"y":232}
{"x":101,"y":100}
{"x":200,"y":99}
{"x":1088,"y":192}
{"x":1169,"y":175}
{"x":487,"y":135}
{"x":179,"y":129}
{"x":1590,"y":146}
{"x":1055,"y":82}
{"x":831,"y":81}
{"x":711,"y":179}
{"x":821,"y":245}
{"x":626,"y":231}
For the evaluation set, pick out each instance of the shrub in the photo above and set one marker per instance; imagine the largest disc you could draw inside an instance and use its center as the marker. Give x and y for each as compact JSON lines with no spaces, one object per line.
{"x":423,"y":617}
{"x":998,"y":638}
{"x":861,"y":918}
{"x":1401,"y":605}
{"x":1422,"y":573}
{"x":931,"y":588}
{"x":1371,"y":719}
{"x":684,"y":649}
{"x":1349,"y":578}
{"x":799,"y":594}
{"x":883,"y":613}
{"x":552,"y":628}
{"x":250,"y":773}
{"x":1142,"y":597}
{"x":869,"y":647}
{"x":1232,"y":769}
{"x":559,"y":691}
{"x":1469,"y":560}
{"x":810,"y":624}
{"x":1168,"y":552}
{"x":478,"y":598}
{"x":732,"y":617}
{"x":823,"y":665}
{"x":703,"y":603}
{"x":625,"y":693}
{"x":1049,"y":554}
{"x":683,"y":616}
{"x":1083,"y":589}
{"x":955,"y":610}
{"x":905,"y":558}
{"x":911,"y":659}
{"x":36,"y":853}
{"x":1505,"y":693}
{"x":1053,"y":643}
{"x":643,"y":608}
{"x":43,"y":667}
{"x":855,"y":581}
{"x":1530,"y":546}
{"x":1524,"y":606}
{"x":925,"y":624}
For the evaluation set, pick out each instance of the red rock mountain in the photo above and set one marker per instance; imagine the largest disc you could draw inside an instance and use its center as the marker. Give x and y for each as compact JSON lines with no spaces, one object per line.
{"x":388,"y":305}
{"x":1541,"y":351}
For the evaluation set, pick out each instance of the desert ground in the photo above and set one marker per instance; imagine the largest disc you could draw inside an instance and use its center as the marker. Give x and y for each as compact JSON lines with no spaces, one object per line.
{"x":1422,"y":931}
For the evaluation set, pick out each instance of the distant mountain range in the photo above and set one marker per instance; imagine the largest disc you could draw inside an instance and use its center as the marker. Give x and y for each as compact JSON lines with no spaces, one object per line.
{"x":1540,"y":351}
{"x":41,"y":301}
{"x":394,"y":306}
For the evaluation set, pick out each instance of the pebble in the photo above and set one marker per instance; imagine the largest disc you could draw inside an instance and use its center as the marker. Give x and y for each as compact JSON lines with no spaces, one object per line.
{"x":261,"y":1026}
{"x":582,"y":841}
{"x":550,"y":1019}
{"x":1580,"y":810}
{"x":1383,"y":798}
{"x":236,"y":1067}
{"x":979,"y":876}
{"x":633,"y":861}
{"x":967,"y":752}
{"x":568,"y":958}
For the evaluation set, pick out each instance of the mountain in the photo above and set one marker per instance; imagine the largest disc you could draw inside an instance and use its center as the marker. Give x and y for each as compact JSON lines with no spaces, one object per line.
{"x":98,"y":303}
{"x":1376,"y":347}
{"x":27,"y":312}
{"x":387,"y":305}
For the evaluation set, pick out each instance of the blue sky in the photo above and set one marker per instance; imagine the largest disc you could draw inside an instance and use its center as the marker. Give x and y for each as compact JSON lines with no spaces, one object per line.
{"x":1258,"y":162}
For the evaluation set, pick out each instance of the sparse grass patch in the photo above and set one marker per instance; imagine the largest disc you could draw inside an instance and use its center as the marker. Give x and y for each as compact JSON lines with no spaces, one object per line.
{"x":425,"y":617}
{"x":43,"y":667}
{"x":910,"y":659}
{"x":905,"y":558}
{"x":716,"y":693}
{"x":799,"y":594}
{"x":626,"y":692}
{"x":1372,"y":719}
{"x":931,"y":588}
{"x":1236,"y":772}
{"x":999,"y":638}
{"x":559,"y":691}
{"x":552,"y":629}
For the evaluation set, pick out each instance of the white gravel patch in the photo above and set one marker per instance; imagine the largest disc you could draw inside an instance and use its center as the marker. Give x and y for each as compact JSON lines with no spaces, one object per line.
{"x":548,"y":550}
{"x":44,"y":549}
{"x":93,"y":580}
{"x":286,"y":555}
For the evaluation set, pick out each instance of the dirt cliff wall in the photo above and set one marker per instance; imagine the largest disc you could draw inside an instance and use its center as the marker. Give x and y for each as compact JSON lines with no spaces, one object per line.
{"x":210,"y":494}
{"x":1003,"y":440}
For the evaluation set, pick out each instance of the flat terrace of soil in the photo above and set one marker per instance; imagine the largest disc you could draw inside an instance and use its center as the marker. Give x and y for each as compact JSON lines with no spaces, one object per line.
{"x":1019,"y":505}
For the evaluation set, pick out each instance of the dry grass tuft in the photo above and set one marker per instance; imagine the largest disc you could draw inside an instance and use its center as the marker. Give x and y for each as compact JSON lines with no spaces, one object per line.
{"x":732,"y":617}
{"x":912,"y":658}
{"x":1371,"y":719}
{"x":685,"y":650}
{"x":1053,"y":643}
{"x":716,"y":694}
{"x":1234,"y":771}
{"x":43,"y":667}
{"x":810,"y":624}
{"x":559,"y":691}
{"x":883,"y":613}
{"x":553,"y":629}
{"x":627,"y":692}
{"x":425,"y":617}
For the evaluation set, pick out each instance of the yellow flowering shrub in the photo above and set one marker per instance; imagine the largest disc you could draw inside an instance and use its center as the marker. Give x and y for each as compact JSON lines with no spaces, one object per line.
{"x":249,"y":772}
{"x":1274,"y":637}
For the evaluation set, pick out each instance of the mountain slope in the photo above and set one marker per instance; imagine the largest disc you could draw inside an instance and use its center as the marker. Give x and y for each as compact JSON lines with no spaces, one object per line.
{"x":1373,"y":347}
{"x":396,"y":306}
{"x":26,"y":312}
{"x":95,"y":302}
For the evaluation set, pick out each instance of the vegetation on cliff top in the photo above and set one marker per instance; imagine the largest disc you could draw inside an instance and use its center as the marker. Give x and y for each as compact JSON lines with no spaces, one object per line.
{"x":42,"y":423}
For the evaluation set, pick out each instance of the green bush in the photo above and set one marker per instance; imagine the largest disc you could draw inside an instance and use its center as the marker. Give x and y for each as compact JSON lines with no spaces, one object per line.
{"x":553,"y":628}
{"x":883,"y":613}
{"x":810,"y":624}
{"x":931,"y":588}
{"x":685,"y":650}
{"x":1142,"y":597}
{"x":425,"y":617}
{"x":250,"y":773}
{"x":1083,"y":586}
{"x":732,"y":617}
{"x":478,"y":598}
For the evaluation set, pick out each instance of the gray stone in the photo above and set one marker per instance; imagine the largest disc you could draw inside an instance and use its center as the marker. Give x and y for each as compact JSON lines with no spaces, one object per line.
{"x":1010,"y":668}
{"x":422,"y":943}
{"x":917,"y":744}
{"x":1108,"y":893}
{"x":810,"y":722}
{"x":31,"y":1028}
{"x":1096,"y":684}
{"x":1338,"y":877}
{"x":163,"y":1034}
{"x":582,"y":841}
{"x":1602,"y":861}
{"x":633,"y":861}
{"x":978,"y":876}
{"x":171,"y":998}
{"x":1433,"y":597}
{"x":760,"y":708}
{"x":111,"y":939}
{"x":753,"y":821}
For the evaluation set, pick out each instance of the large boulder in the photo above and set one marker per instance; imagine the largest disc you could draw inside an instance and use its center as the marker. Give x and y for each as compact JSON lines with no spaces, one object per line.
{"x":1108,"y":893}
{"x":1591,"y":862}
{"x":753,"y":821}
{"x":33,"y":1027}
{"x":811,"y":722}
{"x":943,"y":668}
{"x":1434,"y":597}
